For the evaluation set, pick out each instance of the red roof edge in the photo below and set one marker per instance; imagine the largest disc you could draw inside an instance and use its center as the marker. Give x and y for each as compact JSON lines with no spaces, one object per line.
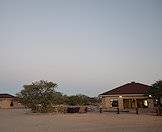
{"x":129,"y":88}
{"x":5,"y":95}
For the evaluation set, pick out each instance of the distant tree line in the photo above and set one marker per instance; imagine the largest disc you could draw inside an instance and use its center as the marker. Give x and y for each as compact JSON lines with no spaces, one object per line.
{"x":41,"y":96}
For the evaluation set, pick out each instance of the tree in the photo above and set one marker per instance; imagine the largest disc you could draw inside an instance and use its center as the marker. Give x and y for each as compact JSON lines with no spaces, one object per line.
{"x":40,"y":96}
{"x":155,"y":92}
{"x":82,"y":100}
{"x":94,"y":101}
{"x":77,"y":100}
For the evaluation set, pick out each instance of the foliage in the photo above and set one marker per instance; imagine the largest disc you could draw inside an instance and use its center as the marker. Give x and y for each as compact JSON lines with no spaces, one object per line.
{"x":156,"y":91}
{"x":94,"y":101}
{"x":40,"y":96}
{"x":77,"y":100}
{"x":82,"y":100}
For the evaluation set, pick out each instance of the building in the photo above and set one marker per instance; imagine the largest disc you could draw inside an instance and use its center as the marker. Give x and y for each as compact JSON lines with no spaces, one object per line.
{"x":128,"y":96}
{"x":9,"y":101}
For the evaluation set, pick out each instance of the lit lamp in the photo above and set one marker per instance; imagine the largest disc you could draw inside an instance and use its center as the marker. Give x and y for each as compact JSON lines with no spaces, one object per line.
{"x":120,"y":96}
{"x":150,"y":96}
{"x":145,"y":103}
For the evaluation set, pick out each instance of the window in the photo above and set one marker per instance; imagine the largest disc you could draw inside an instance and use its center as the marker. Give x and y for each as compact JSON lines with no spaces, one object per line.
{"x":11,"y":104}
{"x":142,"y":103}
{"x":114,"y":102}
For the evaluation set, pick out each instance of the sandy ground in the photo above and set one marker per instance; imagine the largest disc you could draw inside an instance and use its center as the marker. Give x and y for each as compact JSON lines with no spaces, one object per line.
{"x":12,"y":120}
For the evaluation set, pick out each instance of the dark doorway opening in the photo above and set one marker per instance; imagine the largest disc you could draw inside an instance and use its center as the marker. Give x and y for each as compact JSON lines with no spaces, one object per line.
{"x":11,"y":104}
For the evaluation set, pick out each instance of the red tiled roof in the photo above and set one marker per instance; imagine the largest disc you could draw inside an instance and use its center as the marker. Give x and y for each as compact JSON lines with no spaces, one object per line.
{"x":129,"y":88}
{"x":6,"y":96}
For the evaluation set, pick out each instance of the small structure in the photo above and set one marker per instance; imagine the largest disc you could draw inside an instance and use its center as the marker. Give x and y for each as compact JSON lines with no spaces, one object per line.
{"x":76,"y":109}
{"x":69,"y":109}
{"x":129,"y":96}
{"x":9,"y":101}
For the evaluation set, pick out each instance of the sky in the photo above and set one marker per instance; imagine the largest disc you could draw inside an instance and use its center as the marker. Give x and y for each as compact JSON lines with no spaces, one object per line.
{"x":85,"y":46}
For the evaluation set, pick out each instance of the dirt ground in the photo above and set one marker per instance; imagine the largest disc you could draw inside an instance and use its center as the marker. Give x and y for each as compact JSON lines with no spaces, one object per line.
{"x":13,"y":120}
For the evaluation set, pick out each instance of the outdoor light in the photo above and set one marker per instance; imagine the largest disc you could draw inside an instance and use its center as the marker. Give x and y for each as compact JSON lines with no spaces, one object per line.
{"x":145,"y":103}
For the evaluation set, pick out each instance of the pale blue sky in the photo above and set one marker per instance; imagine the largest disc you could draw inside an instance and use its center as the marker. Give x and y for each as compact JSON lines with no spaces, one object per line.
{"x":86,"y":46}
